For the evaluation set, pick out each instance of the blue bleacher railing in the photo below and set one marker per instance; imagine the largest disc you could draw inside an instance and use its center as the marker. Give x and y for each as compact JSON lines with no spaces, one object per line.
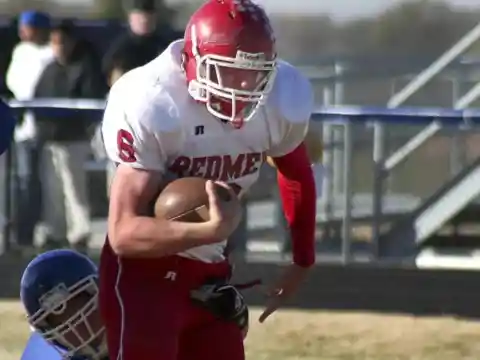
{"x":414,"y":115}
{"x":377,"y":117}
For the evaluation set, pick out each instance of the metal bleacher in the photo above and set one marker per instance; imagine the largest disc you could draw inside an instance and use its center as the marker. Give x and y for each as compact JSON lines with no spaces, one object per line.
{"x":428,"y":232}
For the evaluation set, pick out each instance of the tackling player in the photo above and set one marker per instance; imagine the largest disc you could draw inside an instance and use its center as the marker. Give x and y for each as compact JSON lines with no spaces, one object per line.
{"x":213,"y":105}
{"x":59,"y":291}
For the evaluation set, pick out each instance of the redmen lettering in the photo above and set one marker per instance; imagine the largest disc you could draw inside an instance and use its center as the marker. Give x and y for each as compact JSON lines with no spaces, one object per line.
{"x":251,"y":163}
{"x":225,"y":168}
{"x":232,"y":169}
{"x":214,"y":165}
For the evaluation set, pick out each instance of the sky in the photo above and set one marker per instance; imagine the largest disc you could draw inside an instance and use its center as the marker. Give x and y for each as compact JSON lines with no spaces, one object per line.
{"x":337,"y":9}
{"x":341,"y":9}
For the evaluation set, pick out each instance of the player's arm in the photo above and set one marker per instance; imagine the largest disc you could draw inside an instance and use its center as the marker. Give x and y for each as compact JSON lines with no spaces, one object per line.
{"x":295,"y":176}
{"x":138,"y":180}
{"x":132,"y":232}
{"x":297,"y":191}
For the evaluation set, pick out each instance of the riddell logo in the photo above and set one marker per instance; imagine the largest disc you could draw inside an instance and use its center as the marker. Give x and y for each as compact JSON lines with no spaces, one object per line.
{"x":219,"y":167}
{"x":242,"y":55}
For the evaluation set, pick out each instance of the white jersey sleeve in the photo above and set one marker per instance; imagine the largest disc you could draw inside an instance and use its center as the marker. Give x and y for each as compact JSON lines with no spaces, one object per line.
{"x":293,"y":99}
{"x":137,"y":129}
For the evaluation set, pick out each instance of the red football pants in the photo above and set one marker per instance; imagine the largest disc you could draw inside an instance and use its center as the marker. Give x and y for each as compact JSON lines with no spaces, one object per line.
{"x":148,"y":314}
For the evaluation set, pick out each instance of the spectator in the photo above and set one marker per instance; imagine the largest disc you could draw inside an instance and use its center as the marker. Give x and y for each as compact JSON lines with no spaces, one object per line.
{"x":119,"y":67}
{"x":142,"y":42}
{"x":7,"y":126}
{"x":8,"y":40}
{"x":75,"y":73}
{"x":29,"y":59}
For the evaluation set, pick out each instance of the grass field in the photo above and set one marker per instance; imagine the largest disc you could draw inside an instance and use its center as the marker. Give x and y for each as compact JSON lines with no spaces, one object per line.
{"x":319,"y":335}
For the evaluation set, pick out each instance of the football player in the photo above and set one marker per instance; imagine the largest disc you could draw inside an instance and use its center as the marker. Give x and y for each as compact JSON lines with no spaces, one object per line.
{"x":215,"y":105}
{"x":59,"y":291}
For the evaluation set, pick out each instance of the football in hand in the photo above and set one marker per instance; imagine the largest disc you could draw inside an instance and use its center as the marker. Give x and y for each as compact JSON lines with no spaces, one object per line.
{"x":186,"y":199}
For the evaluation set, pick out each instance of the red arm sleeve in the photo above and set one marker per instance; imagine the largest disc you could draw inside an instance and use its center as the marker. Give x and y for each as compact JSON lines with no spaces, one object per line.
{"x":297,"y":191}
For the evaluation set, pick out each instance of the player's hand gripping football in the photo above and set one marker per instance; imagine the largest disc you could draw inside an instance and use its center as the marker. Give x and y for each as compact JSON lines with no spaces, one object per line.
{"x":224,"y":215}
{"x":285,"y":288}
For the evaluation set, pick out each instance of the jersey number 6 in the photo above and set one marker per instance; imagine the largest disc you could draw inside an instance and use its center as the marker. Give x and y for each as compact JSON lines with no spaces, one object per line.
{"x":126,"y":151}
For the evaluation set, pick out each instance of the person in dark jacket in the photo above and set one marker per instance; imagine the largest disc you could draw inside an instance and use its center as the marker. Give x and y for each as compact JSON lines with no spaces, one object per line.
{"x":8,"y":40}
{"x":75,"y":73}
{"x":142,"y":42}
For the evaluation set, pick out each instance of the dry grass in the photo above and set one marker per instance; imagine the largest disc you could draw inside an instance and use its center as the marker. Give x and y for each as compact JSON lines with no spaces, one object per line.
{"x":13,"y":330}
{"x":316,"y":335}
{"x":302,"y":335}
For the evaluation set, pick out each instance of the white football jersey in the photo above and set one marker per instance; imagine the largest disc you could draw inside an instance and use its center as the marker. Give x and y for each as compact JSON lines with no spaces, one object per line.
{"x":150,"y":111}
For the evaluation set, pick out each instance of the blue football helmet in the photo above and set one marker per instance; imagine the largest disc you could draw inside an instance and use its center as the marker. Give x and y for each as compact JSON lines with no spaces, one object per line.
{"x":59,"y":290}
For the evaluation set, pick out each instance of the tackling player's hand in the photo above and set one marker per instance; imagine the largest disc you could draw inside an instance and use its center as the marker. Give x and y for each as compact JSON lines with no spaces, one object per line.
{"x":224,"y":215}
{"x":286,"y":287}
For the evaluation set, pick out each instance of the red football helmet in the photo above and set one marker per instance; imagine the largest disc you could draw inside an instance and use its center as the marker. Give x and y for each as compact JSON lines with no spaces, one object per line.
{"x":230,"y":58}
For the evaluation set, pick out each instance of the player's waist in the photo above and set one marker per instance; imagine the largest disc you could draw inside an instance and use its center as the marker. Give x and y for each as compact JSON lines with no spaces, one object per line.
{"x":189,"y":269}
{"x":211,"y":254}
